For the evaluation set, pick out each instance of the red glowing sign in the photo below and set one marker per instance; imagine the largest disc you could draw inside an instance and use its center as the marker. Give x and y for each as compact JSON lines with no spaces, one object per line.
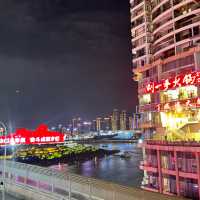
{"x":175,"y":105}
{"x":40,"y":136}
{"x":190,"y":103}
{"x":192,"y":78}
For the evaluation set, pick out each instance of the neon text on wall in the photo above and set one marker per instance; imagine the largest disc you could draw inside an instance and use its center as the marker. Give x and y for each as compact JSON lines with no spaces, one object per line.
{"x":39,"y":136}
{"x":192,"y":78}
{"x":175,"y":105}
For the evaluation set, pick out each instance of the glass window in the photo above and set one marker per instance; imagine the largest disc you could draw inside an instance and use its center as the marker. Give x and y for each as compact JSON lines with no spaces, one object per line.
{"x":188,"y":92}
{"x":145,"y":99}
{"x":170,"y":95}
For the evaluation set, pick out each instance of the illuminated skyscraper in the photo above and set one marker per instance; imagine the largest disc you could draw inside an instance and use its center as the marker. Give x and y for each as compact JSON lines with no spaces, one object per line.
{"x":98,"y":124}
{"x":94,"y":126}
{"x":166,"y":64}
{"x":123,"y":120}
{"x":107,"y":124}
{"x":131,"y":123}
{"x":115,"y":120}
{"x":76,"y":125}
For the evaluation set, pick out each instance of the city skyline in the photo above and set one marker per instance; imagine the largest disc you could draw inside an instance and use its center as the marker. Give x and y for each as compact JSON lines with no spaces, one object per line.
{"x":115,"y":121}
{"x":60,"y":59}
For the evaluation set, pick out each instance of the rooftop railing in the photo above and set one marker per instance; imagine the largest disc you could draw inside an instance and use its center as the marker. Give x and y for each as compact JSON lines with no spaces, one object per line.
{"x":173,"y":143}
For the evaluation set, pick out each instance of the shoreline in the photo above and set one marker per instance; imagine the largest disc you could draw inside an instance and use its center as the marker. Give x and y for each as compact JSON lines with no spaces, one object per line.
{"x":92,"y":141}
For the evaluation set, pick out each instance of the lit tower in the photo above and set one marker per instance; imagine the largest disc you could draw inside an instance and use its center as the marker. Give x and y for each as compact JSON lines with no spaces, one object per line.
{"x":74,"y":125}
{"x":107,"y":123}
{"x":123,"y":120}
{"x":94,"y":126}
{"x":115,"y":120}
{"x":166,"y":64}
{"x":131,"y":123}
{"x":98,"y":124}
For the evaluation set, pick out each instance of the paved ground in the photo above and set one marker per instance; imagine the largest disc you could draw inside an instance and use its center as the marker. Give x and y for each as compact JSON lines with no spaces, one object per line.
{"x":8,"y":197}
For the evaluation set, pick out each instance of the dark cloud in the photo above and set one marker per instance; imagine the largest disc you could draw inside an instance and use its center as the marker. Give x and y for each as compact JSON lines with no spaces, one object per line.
{"x":63,"y":58}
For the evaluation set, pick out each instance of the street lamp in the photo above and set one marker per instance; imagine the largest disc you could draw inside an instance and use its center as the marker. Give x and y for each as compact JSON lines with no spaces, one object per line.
{"x":4,"y":161}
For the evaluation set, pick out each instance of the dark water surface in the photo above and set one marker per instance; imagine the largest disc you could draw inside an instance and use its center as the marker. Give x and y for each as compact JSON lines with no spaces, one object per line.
{"x":112,"y":168}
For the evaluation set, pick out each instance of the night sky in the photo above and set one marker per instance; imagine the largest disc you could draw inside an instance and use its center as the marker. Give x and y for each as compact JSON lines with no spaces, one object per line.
{"x":64,"y":58}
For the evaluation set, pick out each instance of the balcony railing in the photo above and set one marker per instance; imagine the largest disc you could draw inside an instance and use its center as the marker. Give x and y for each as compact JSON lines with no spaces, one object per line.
{"x":176,"y":143}
{"x":163,"y":45}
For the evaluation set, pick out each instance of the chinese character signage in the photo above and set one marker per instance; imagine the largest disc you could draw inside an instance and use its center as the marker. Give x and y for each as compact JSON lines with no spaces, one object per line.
{"x":175,"y":105}
{"x":40,"y":136}
{"x":192,"y":78}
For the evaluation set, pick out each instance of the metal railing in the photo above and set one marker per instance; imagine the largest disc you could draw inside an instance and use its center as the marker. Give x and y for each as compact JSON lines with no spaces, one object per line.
{"x":64,"y":185}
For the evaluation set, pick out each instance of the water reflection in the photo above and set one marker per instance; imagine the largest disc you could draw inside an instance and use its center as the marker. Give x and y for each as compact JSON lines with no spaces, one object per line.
{"x":112,"y":168}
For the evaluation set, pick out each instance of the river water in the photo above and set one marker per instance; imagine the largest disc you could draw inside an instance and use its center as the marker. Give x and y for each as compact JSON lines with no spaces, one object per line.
{"x":124,"y":171}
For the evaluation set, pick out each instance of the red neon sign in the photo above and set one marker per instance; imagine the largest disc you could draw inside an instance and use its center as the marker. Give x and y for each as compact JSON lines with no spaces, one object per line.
{"x":192,"y":78}
{"x":189,"y":103}
{"x":40,"y":136}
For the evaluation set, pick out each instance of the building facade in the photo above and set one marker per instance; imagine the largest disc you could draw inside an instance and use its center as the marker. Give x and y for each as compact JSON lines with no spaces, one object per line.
{"x":98,"y":124}
{"x":115,"y":120}
{"x":107,"y":124}
{"x":123,"y":120}
{"x":166,"y":64}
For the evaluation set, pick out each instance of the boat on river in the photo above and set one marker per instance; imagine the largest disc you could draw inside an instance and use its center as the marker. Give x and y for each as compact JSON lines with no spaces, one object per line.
{"x":69,"y":144}
{"x":124,"y":154}
{"x":106,"y":135}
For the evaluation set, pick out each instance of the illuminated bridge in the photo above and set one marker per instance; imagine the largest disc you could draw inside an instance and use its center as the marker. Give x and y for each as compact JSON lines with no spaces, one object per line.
{"x":34,"y":182}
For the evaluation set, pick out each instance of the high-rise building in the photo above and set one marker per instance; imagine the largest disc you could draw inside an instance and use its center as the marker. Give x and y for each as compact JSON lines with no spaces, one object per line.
{"x":106,"y":124}
{"x":131,"y":123}
{"x":98,"y":124}
{"x":123,"y":120}
{"x":76,"y":125}
{"x":115,"y":120}
{"x":86,"y":127}
{"x":166,"y":64}
{"x":94,"y":126}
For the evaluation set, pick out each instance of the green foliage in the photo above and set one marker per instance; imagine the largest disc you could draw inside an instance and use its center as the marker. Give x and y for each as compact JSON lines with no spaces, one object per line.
{"x":54,"y":152}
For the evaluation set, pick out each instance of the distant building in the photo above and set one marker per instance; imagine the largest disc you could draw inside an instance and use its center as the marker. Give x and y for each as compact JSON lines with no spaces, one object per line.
{"x":115,"y":120}
{"x":94,"y":126}
{"x":131,"y":123}
{"x":107,"y":124}
{"x":102,"y":124}
{"x":98,"y":124}
{"x":76,"y":125}
{"x":123,"y":120}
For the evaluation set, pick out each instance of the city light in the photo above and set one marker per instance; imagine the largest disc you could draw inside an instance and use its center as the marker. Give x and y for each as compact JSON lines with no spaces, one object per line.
{"x":140,"y":141}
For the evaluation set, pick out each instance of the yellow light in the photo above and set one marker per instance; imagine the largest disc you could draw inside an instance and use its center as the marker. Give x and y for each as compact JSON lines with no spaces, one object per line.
{"x":178,"y":107}
{"x":172,"y":122}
